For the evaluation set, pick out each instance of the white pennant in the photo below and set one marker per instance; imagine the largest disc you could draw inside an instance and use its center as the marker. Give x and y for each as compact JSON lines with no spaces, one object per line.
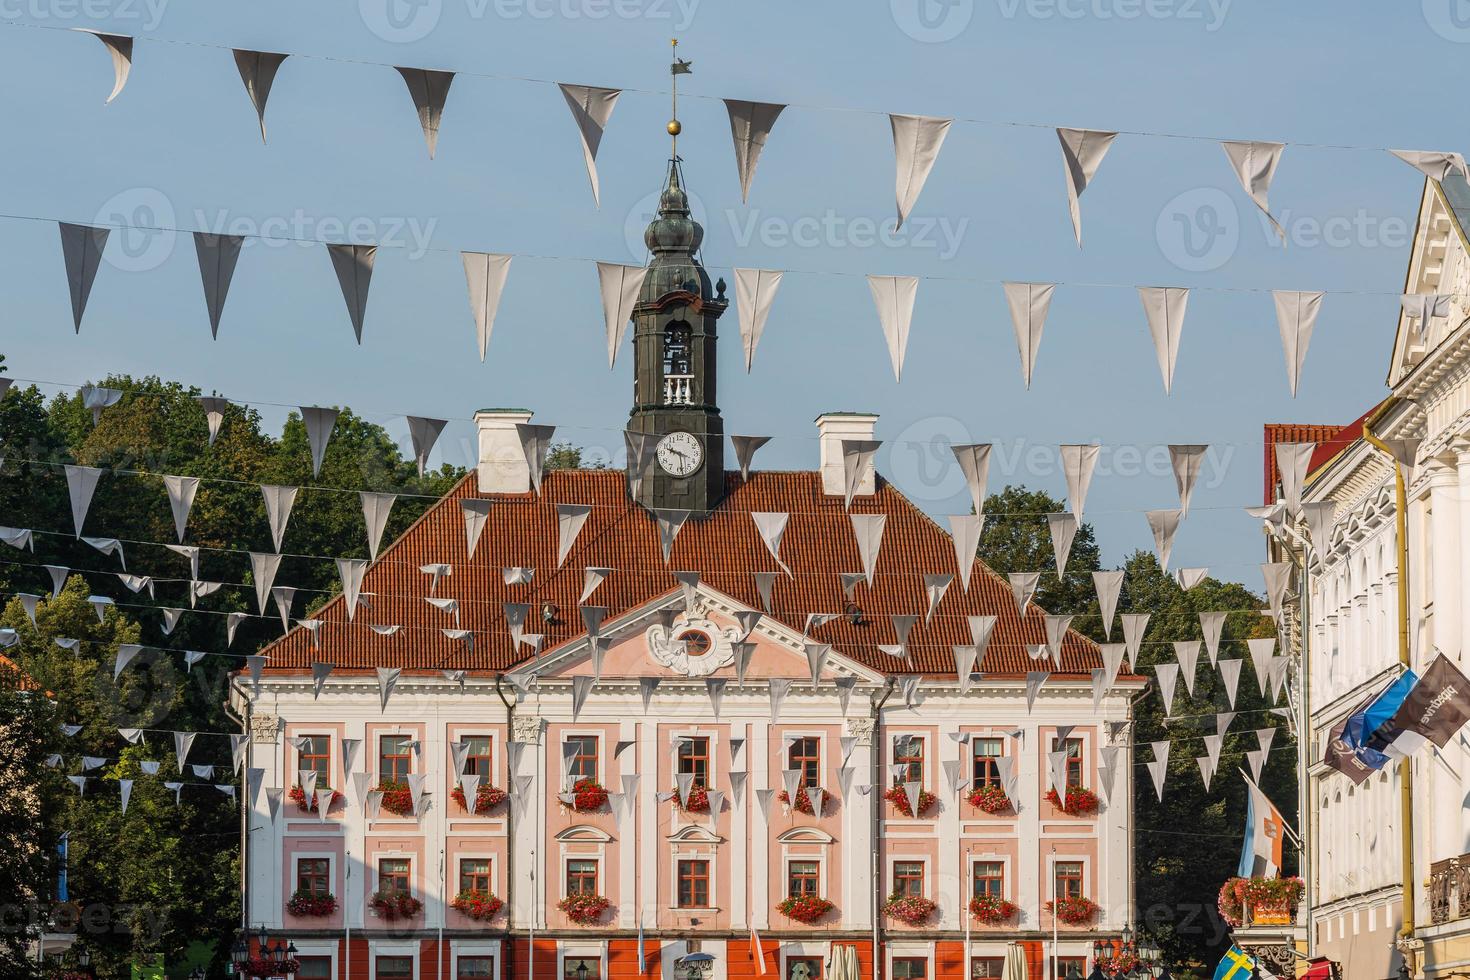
{"x":868,"y":529}
{"x":1168,"y":676}
{"x":1277,"y":575}
{"x":214,"y":413}
{"x":258,"y":72}
{"x":1164,"y":524}
{"x":1254,"y":163}
{"x":1257,"y":760}
{"x":1023,"y":587}
{"x":620,"y":285}
{"x":591,"y":108}
{"x":1264,"y":738}
{"x":263,"y":571}
{"x":232,"y":623}
{"x":81,"y":482}
{"x":1186,"y":461}
{"x":475,"y":512}
{"x":1292,"y":462}
{"x":1134,"y":625}
{"x":1028,"y":302}
{"x":894,"y":298}
{"x":108,"y":546}
{"x":423,"y":433}
{"x":95,"y":399}
{"x":755,"y":292}
{"x":1319,"y":515}
{"x":715,"y":688}
{"x":183,"y":742}
{"x":1434,"y":164}
{"x":1056,"y":634}
{"x":916,"y":143}
{"x":120,"y":47}
{"x":278,"y":504}
{"x":745,"y":447}
{"x":1034,"y":681}
{"x":750,"y":126}
{"x":816,"y":659}
{"x":217,"y":256}
{"x":319,"y":674}
{"x":1230,"y":677}
{"x":81,"y":251}
{"x":779,"y":687}
{"x":934,"y":588}
{"x":1262,"y":651}
{"x":353,"y":265}
{"x":965,"y":530}
{"x":591,"y":579}
{"x":375,"y":510}
{"x":581,"y":687}
{"x":1112,"y":654}
{"x":535,"y":443}
{"x":1109,"y":586}
{"x":1296,"y":315}
{"x":964,"y":664}
{"x":1082,"y":151}
{"x":1063,"y":528}
{"x":387,"y":681}
{"x":974,"y":462}
{"x":772,"y":526}
{"x":764,"y":583}
{"x":1187,"y":653}
{"x":569,"y":521}
{"x":1078,"y":462}
{"x":1159,"y":771}
{"x":181,"y":490}
{"x":319,"y":423}
{"x":429,"y":90}
{"x":1206,"y":770}
{"x":1164,"y":307}
{"x":670,"y":521}
{"x":351,"y":571}
{"x":646,"y":687}
{"x":902,"y":624}
{"x":125,"y":654}
{"x":284,"y":596}
{"x":857,"y":463}
{"x":1210,"y":624}
{"x":485,"y":275}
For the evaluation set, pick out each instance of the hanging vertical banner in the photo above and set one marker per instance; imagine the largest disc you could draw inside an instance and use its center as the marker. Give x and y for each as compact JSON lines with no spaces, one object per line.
{"x":772,"y":527}
{"x":1164,"y":307}
{"x":1109,"y":586}
{"x":120,"y":47}
{"x":1293,"y":459}
{"x":1296,"y":315}
{"x":1023,"y":587}
{"x":81,"y":251}
{"x":485,"y":275}
{"x":258,"y":72}
{"x":750,"y":126}
{"x":81,"y":483}
{"x":745,"y":447}
{"x":217,"y":256}
{"x":319,"y":424}
{"x":1164,"y":524}
{"x":755,"y":292}
{"x":619,"y":285}
{"x":1028,"y":302}
{"x":894,"y":298}
{"x":1082,"y":152}
{"x":423,"y":433}
{"x":375,"y":510}
{"x":1186,"y":462}
{"x":916,"y":143}
{"x":1063,"y":528}
{"x":965,"y":531}
{"x":591,"y":109}
{"x":278,"y":504}
{"x":1254,"y":164}
{"x":974,"y":463}
{"x":429,"y":90}
{"x":354,"y":267}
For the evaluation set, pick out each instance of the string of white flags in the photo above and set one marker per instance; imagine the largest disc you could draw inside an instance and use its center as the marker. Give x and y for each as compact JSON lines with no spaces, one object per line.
{"x":894,"y":297}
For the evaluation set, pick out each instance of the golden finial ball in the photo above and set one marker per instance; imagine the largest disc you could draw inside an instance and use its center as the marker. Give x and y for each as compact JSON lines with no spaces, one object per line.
{"x":674,"y":128}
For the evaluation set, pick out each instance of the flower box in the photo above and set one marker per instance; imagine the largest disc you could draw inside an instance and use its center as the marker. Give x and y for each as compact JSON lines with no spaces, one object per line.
{"x":1260,"y":901}
{"x":1080,"y":801}
{"x":260,"y":967}
{"x":805,"y":908}
{"x":991,"y":799}
{"x":900,"y":800}
{"x":909,"y":908}
{"x":803,"y":802}
{"x":397,"y":798}
{"x":487,"y":798}
{"x":584,"y":909}
{"x":297,"y":795}
{"x":477,"y":905}
{"x":304,"y":904}
{"x":395,"y":905}
{"x":698,"y":800}
{"x":588,"y":795}
{"x":1075,"y":911}
{"x":990,"y":911}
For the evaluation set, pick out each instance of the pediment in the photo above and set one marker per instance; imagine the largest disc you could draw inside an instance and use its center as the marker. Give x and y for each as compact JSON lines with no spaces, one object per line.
{"x":585,"y":833}
{"x":806,"y":835}
{"x":1439,"y":262}
{"x":695,"y":834}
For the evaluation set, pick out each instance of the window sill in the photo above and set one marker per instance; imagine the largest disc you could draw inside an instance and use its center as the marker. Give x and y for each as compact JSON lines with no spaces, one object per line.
{"x":681,"y":909}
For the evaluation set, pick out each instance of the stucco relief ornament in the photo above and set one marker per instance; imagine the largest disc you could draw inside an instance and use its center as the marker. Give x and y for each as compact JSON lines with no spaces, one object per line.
{"x":692,"y":645}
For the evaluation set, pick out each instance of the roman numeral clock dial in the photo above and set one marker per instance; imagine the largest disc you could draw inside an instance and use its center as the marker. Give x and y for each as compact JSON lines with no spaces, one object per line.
{"x":680,"y":454}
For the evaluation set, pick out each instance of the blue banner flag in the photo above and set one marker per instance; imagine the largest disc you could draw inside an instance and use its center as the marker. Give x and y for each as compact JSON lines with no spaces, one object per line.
{"x":1235,"y":965}
{"x":1363,"y":723}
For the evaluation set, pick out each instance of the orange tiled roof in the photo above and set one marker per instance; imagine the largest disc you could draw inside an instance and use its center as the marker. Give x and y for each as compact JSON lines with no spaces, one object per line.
{"x":724,"y":547}
{"x":1289,"y":432}
{"x":13,"y":678}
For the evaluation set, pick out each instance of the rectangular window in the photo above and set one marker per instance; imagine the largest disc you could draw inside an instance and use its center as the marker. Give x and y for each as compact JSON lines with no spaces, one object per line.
{"x":477,"y":760}
{"x":908,"y":878}
{"x":474,"y":968}
{"x":986,"y":967}
{"x":580,"y":751}
{"x":393,"y":875}
{"x":1068,"y":879}
{"x":395,"y":758}
{"x":694,"y":758}
{"x":582,"y":969}
{"x":393,"y":968}
{"x":803,"y":968}
{"x":909,"y":967}
{"x":989,"y":879}
{"x":314,"y":968}
{"x":316,"y":756}
{"x":908,"y":752}
{"x":1073,"y":748}
{"x":801,"y":879}
{"x":805,"y":756}
{"x":581,"y":877}
{"x":1071,"y":967}
{"x":474,"y":875}
{"x":985,"y":770}
{"x":314,"y":876}
{"x":694,"y":884}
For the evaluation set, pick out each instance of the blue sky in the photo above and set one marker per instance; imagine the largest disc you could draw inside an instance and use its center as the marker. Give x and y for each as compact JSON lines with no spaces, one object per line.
{"x":346,"y":161}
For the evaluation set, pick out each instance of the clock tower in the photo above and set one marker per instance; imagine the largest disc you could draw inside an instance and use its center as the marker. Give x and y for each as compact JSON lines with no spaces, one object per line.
{"x":674,"y":351}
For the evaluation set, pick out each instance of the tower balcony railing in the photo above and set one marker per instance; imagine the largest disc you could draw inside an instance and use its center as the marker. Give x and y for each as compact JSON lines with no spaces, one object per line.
{"x":679,"y":389}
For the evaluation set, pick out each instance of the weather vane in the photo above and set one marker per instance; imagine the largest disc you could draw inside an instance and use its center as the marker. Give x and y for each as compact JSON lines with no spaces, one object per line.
{"x":679,"y":67}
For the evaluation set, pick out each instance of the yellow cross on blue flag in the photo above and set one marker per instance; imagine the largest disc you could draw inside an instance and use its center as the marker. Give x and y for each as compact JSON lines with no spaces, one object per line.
{"x":1235,"y":965}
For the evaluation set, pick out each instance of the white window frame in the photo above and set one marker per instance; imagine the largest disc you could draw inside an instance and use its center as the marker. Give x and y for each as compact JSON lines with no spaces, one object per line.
{"x":786,"y":736}
{"x":1089,"y":764}
{"x":495,"y":751}
{"x":476,"y":949}
{"x":600,"y":858}
{"x":923,"y":736}
{"x":970,"y":755}
{"x":580,"y":950}
{"x":699,"y":854}
{"x":393,"y":855}
{"x":1008,"y":881}
{"x":376,"y":949}
{"x":787,"y":857}
{"x":1051,"y":873}
{"x":477,"y":856}
{"x":378,"y":751}
{"x":910,"y":859}
{"x":332,"y":750}
{"x":316,"y":856}
{"x":714,"y":743}
{"x":912,"y":951}
{"x":602,"y":750}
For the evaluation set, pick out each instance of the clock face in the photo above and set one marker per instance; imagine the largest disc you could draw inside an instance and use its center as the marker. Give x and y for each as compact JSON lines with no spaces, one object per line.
{"x":679,"y":453}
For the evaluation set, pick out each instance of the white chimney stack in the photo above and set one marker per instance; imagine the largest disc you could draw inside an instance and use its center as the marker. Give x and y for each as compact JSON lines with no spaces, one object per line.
{"x":502,"y":467}
{"x":833,"y":429}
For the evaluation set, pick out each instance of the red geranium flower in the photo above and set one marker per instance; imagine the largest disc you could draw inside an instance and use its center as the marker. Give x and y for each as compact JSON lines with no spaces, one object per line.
{"x":909,"y":908}
{"x":584,"y":909}
{"x":397,"y":798}
{"x":990,"y":798}
{"x":1080,"y":800}
{"x":804,"y":908}
{"x":486,"y":798}
{"x":1073,"y":911}
{"x":900,"y":800}
{"x":297,"y":795}
{"x":991,"y":910}
{"x":477,"y":905}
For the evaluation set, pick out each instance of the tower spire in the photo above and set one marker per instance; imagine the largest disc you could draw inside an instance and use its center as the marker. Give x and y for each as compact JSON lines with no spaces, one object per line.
{"x":679,"y":67}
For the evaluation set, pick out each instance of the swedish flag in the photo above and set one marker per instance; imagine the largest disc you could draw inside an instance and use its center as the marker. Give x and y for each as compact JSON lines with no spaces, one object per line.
{"x":1235,"y":965}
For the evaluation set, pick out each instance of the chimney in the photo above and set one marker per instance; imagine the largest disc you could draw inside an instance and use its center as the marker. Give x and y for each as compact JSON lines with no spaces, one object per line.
{"x":833,"y":429}
{"x":502,"y":467}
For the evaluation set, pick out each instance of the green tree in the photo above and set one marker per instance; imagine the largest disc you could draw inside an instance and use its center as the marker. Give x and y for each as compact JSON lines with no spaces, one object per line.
{"x":1016,"y":539}
{"x":25,"y":725}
